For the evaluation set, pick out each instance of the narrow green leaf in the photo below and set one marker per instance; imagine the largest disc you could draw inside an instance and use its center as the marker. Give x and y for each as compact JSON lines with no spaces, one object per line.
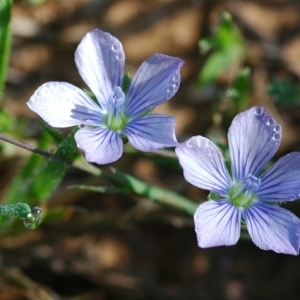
{"x":52,"y":171}
{"x":5,"y":14}
{"x":20,"y":188}
{"x":39,"y":178}
{"x":126,"y":82}
{"x":53,"y":132}
{"x":18,"y":210}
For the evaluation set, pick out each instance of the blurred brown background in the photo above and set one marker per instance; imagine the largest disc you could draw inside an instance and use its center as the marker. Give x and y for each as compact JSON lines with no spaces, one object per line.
{"x":110,"y":247}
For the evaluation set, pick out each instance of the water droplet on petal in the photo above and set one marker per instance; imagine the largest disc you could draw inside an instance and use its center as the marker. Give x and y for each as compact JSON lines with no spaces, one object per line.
{"x":116,"y":46}
{"x":176,"y":77}
{"x":175,"y":85}
{"x":208,"y":144}
{"x":271,"y":122}
{"x":190,"y":143}
{"x":105,"y":37}
{"x":33,"y":219}
{"x":277,"y":128}
{"x":120,"y":56}
{"x":276,"y":136}
{"x":171,"y":90}
{"x":37,"y":93}
{"x":258,"y":111}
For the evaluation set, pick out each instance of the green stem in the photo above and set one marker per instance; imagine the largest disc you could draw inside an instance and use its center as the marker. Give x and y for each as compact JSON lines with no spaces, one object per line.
{"x":155,"y":194}
{"x":122,"y":180}
{"x":132,"y":185}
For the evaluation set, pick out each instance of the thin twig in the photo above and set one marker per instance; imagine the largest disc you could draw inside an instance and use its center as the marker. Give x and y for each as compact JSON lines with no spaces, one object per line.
{"x":34,"y":149}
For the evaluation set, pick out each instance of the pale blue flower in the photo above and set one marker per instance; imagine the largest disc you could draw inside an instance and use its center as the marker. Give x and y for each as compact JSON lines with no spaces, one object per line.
{"x":100,"y":61}
{"x":250,"y":194}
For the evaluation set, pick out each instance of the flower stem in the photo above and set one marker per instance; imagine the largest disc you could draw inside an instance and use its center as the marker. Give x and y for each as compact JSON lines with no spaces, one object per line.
{"x":155,"y":194}
{"x":122,"y":180}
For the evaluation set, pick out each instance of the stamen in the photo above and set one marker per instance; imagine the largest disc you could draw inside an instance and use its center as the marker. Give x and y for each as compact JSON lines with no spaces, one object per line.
{"x":251,"y":183}
{"x":117,"y":97}
{"x":115,"y":118}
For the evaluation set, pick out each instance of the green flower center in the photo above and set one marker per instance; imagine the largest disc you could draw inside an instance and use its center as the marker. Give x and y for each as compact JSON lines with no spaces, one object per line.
{"x":116,"y":122}
{"x":242,"y":194}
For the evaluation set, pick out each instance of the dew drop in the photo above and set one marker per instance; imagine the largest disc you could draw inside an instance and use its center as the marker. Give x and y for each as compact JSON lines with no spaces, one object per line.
{"x":175,"y":85}
{"x":106,"y":37}
{"x":258,"y":111}
{"x":176,"y":77}
{"x":171,"y":89}
{"x":277,"y":128}
{"x":271,"y":122}
{"x":38,"y":93}
{"x":116,"y":46}
{"x":208,"y":144}
{"x":120,"y":56}
{"x":199,"y":142}
{"x":276,"y":136}
{"x":190,"y":143}
{"x":33,"y":219}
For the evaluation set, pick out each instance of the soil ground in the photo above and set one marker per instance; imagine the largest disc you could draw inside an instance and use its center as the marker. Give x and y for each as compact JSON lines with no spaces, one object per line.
{"x":124,"y":248}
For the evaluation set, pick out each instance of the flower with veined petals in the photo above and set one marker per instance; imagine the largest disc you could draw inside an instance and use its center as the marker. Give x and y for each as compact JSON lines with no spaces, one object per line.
{"x":115,"y":114}
{"x":251,"y":194}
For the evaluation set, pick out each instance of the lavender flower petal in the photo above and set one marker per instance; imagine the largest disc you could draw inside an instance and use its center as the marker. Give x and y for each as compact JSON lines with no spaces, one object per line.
{"x":254,"y":136}
{"x":100,"y":61}
{"x":100,"y":145}
{"x":203,"y":165}
{"x":63,"y":105}
{"x":217,"y":223}
{"x":281,"y":182}
{"x":156,"y":81}
{"x":273,"y":228}
{"x":151,"y":132}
